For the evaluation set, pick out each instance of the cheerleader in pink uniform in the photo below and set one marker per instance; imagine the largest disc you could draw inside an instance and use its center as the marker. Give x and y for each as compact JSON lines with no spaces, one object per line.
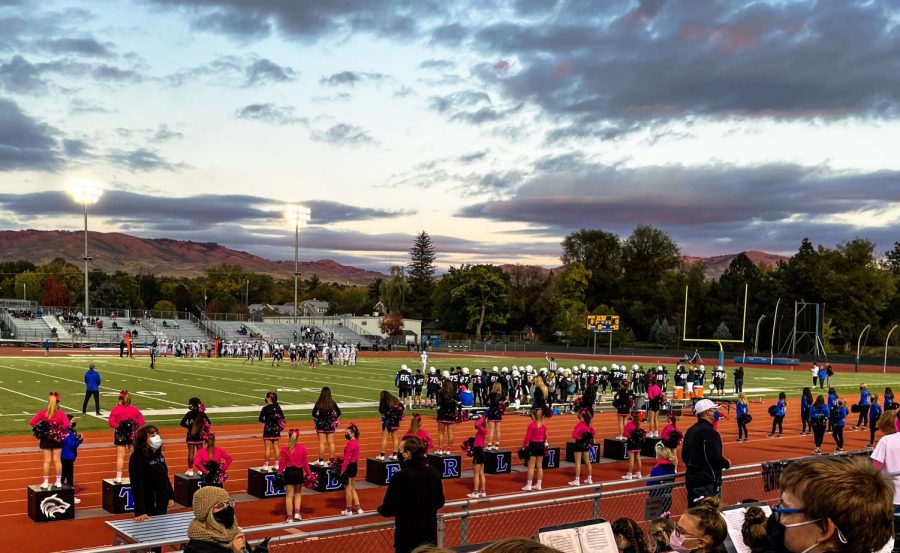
{"x":50,"y":426}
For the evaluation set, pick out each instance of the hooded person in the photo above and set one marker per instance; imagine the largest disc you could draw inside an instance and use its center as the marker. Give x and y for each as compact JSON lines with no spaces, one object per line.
{"x":214,"y":528}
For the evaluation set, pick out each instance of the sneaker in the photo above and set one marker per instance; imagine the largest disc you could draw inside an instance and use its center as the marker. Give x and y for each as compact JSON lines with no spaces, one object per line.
{"x":636,"y":476}
{"x":347,"y":512}
{"x":473,"y":495}
{"x":45,"y":485}
{"x":482,"y":493}
{"x":359,"y":512}
{"x":779,"y":436}
{"x":297,"y":518}
{"x":189,"y":472}
{"x":117,"y":480}
{"x":265,"y":467}
{"x":817,"y":451}
{"x":575,"y":483}
{"x":526,"y":488}
{"x":536,"y":488}
{"x":77,"y":501}
{"x":393,"y":457}
{"x":739,"y":440}
{"x":275,"y":468}
{"x":380,"y":457}
{"x":627,"y":476}
{"x":289,"y":519}
{"x":771,"y":435}
{"x":588,"y":482}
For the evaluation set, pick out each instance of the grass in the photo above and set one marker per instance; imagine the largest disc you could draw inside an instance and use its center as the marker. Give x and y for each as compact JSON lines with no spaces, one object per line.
{"x":162,"y":394}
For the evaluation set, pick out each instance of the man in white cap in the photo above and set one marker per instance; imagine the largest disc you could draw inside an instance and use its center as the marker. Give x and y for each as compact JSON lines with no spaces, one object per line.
{"x":702,"y":455}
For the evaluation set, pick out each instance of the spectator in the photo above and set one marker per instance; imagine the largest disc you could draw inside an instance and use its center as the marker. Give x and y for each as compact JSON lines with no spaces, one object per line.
{"x":702,"y":455}
{"x":886,"y":456}
{"x":701,"y":528}
{"x":658,"y":535}
{"x":518,"y":545}
{"x":413,"y":497}
{"x":92,"y":382}
{"x":150,"y":486}
{"x":214,"y":528}
{"x":753,"y":530}
{"x":855,"y":516}
{"x":629,"y":536}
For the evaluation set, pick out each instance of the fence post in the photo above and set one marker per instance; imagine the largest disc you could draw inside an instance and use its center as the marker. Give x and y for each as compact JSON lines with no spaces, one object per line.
{"x":596,"y":511}
{"x":440,"y":531}
{"x":464,"y":526}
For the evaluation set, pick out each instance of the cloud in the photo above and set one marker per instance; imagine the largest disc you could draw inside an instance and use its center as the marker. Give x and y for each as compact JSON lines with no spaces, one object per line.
{"x":438,"y":65}
{"x":78,"y":106}
{"x":768,"y":207}
{"x":263,"y":71}
{"x":456,"y":101}
{"x":19,"y":76}
{"x":343,"y":134}
{"x":76,"y":148}
{"x":142,"y":159}
{"x":311,"y":20}
{"x":202,"y":212}
{"x":25,"y":143}
{"x":165,"y":134}
{"x":111,"y":73}
{"x":269,"y":113}
{"x":250,"y":71}
{"x":450,"y":35}
{"x":77,"y":46}
{"x":352,"y":78}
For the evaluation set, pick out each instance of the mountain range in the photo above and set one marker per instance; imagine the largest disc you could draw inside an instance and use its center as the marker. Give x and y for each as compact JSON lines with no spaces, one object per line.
{"x":113,"y":251}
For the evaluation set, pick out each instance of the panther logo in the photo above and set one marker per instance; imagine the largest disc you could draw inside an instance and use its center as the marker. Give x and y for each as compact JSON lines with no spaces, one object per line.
{"x":52,"y":506}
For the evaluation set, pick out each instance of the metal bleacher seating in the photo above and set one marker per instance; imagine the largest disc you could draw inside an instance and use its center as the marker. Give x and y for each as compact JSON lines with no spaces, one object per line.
{"x":177,"y":330}
{"x":345,"y":335}
{"x":32,"y":330}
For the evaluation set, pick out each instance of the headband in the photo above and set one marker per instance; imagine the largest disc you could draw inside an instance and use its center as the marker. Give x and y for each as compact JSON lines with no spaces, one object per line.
{"x":122,"y":394}
{"x":54,"y":394}
{"x":293,"y":431}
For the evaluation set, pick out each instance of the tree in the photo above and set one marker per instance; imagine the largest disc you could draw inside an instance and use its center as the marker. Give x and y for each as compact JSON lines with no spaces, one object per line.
{"x":311,"y":283}
{"x":109,"y":295}
{"x":420,"y":271}
{"x":392,"y":324}
{"x":601,"y":253}
{"x":164,"y":307}
{"x":722,"y":332}
{"x":395,"y":290}
{"x":55,"y":293}
{"x":649,"y":256}
{"x":481,"y":294}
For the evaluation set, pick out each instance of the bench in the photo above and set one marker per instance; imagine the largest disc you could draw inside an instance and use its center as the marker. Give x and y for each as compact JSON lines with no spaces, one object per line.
{"x":171,"y":526}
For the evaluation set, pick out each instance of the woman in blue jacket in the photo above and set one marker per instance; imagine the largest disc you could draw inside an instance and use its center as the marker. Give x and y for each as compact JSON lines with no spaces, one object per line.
{"x":806,"y":401}
{"x":888,"y":399}
{"x":743,"y":410}
{"x":837,"y":426}
{"x":832,"y":405}
{"x":818,"y":421}
{"x":864,"y":405}
{"x":778,"y":419}
{"x":874,"y":414}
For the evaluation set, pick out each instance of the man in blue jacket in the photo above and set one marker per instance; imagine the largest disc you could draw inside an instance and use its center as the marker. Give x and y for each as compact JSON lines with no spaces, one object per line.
{"x":91,"y":389}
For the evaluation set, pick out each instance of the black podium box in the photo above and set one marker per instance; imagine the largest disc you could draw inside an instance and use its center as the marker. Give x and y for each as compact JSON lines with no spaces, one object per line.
{"x":326,"y":482}
{"x":185,"y":486}
{"x":448,"y":466}
{"x":261,"y":483}
{"x":648,"y":448}
{"x":614,"y":449}
{"x":593,"y":453}
{"x":117,"y":498}
{"x":498,"y":462}
{"x":551,"y":459}
{"x":52,"y":504}
{"x":381,"y":472}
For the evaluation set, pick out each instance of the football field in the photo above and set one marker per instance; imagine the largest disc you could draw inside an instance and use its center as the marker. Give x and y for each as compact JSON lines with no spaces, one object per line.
{"x":233,"y":390}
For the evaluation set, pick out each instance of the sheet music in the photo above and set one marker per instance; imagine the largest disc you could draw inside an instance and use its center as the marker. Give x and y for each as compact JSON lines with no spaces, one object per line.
{"x":564,"y":540}
{"x":598,"y":538}
{"x":734,"y":518}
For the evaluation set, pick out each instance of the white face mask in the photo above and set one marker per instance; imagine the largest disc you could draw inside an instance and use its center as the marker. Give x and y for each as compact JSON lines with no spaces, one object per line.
{"x":156,"y":442}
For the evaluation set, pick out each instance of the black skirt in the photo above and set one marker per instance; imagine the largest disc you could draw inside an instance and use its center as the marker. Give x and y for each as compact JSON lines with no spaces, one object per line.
{"x":536,"y":449}
{"x":352,"y":470}
{"x":47,"y":443}
{"x":120,"y":441}
{"x":478,"y":455}
{"x":293,"y":476}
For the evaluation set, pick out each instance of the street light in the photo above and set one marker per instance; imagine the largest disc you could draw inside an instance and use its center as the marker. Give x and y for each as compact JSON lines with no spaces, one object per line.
{"x":298,"y":215}
{"x":85,"y":192}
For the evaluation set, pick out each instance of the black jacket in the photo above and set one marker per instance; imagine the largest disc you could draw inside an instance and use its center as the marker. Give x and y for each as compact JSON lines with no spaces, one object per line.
{"x":413,"y":498}
{"x":197,"y":546}
{"x":150,"y":486}
{"x":702,"y":455}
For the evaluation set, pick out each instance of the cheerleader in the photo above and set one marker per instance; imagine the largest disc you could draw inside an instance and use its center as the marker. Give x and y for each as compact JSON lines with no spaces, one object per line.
{"x":325,"y":415}
{"x":212,"y":462}
{"x":655,"y":398}
{"x":349,"y":469}
{"x":837,"y":426}
{"x":272,"y":418}
{"x":540,"y":395}
{"x":622,"y":401}
{"x":864,"y":403}
{"x":448,"y":409}
{"x":534,"y":445}
{"x":416,"y":431}
{"x":743,"y":414}
{"x":634,"y":436}
{"x":779,"y":412}
{"x":818,"y":421}
{"x":197,"y":424}
{"x":391,"y":411}
{"x":888,"y":399}
{"x":293,"y":466}
{"x":478,"y":458}
{"x":496,"y":405}
{"x":874,"y":413}
{"x":583,"y":434}
{"x":670,"y":434}
{"x":125,"y":418}
{"x":806,"y":401}
{"x":50,"y":426}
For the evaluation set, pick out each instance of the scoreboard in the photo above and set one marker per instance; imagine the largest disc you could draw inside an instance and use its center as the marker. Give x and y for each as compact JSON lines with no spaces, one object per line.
{"x":602,"y":323}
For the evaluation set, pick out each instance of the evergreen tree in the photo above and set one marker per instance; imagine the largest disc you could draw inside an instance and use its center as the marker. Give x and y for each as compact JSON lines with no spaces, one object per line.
{"x":420,"y":276}
{"x":722,"y":332}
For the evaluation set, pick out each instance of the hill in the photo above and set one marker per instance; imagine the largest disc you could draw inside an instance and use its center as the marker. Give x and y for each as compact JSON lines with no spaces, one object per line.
{"x":114,"y":251}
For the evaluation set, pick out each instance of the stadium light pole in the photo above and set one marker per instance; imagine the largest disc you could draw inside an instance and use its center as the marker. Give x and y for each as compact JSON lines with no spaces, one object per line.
{"x":85,"y":192}
{"x":298,"y":215}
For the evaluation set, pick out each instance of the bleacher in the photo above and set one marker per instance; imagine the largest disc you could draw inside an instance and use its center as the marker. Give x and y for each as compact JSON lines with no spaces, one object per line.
{"x":176,"y":330}
{"x":33,"y":329}
{"x":110,"y":335}
{"x":344,"y":335}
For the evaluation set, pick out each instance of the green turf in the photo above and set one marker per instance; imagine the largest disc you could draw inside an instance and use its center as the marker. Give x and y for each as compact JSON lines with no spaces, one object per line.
{"x":24,"y":383}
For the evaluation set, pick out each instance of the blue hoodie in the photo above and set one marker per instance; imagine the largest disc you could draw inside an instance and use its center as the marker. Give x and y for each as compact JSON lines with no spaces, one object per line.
{"x":92,"y":381}
{"x":70,"y":446}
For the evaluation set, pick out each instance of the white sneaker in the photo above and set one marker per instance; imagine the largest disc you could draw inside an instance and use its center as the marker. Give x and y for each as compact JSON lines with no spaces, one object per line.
{"x":265,"y":467}
{"x":627,"y":476}
{"x":575,"y":483}
{"x":536,"y":488}
{"x":526,"y":488}
{"x":359,"y":512}
{"x":118,"y":480}
{"x":379,"y":458}
{"x":276,"y":467}
{"x":77,"y":501}
{"x":189,"y":472}
{"x":482,"y":494}
{"x":45,"y":485}
{"x":636,"y":476}
{"x":588,"y":482}
{"x":297,"y":518}
{"x":393,"y":457}
{"x":347,"y":512}
{"x":289,"y":519}
{"x":473,"y":495}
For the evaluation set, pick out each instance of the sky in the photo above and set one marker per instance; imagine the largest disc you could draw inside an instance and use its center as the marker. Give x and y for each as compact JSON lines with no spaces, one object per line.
{"x":496,"y":126}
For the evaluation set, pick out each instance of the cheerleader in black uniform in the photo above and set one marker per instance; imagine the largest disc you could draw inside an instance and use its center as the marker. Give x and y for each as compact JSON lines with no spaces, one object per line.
{"x":272,"y":418}
{"x":391,"y":411}
{"x":197,"y":424}
{"x":623,"y":400}
{"x":326,"y":416}
{"x":496,"y":406}
{"x":447,"y":411}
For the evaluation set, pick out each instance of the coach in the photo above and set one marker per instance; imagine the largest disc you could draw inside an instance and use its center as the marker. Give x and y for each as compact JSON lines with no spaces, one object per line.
{"x":91,"y":389}
{"x":702,"y":455}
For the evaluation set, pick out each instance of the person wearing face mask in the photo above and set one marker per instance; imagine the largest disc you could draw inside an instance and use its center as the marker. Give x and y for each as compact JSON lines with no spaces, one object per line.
{"x":700,"y":529}
{"x":214,"y":528}
{"x":349,"y":469}
{"x":151,"y":490}
{"x":702,"y":455}
{"x":413,"y":498}
{"x":855,"y":516}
